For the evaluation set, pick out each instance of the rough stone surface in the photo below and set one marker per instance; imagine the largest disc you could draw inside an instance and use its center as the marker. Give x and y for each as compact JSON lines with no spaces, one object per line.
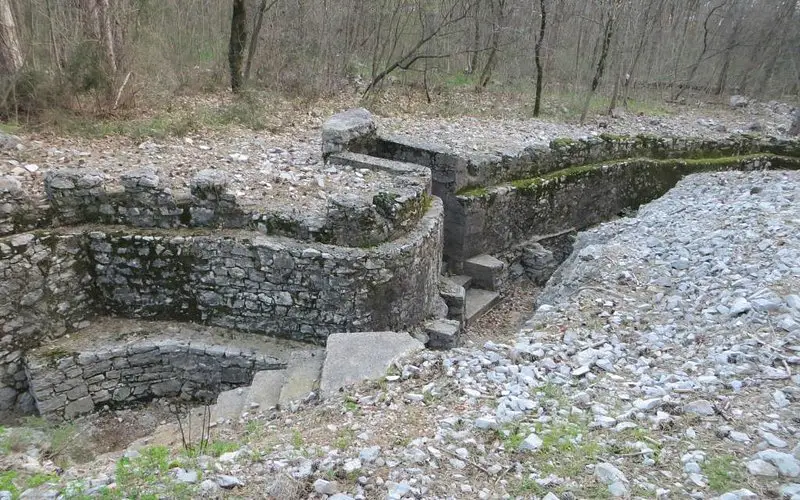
{"x":344,"y":129}
{"x":355,"y":357}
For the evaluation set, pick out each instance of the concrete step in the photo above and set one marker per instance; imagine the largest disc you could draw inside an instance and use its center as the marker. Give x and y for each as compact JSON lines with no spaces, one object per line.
{"x":486,"y":271}
{"x":478,"y":302}
{"x":462,"y":280}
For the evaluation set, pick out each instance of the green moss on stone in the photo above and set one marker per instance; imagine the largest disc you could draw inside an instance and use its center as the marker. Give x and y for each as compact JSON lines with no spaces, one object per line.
{"x":473,"y":191}
{"x":561,"y":143}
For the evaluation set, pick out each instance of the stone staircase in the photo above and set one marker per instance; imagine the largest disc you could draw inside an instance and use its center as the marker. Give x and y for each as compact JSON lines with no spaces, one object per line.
{"x":472,"y":294}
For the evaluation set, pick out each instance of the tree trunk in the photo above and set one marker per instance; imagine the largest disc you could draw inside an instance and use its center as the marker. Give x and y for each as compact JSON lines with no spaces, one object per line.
{"x":608,"y":34}
{"x":251,"y":50}
{"x":11,"y":59}
{"x":104,"y":19}
{"x":498,"y":23}
{"x":237,"y":44}
{"x":476,"y":40}
{"x":538,"y":59}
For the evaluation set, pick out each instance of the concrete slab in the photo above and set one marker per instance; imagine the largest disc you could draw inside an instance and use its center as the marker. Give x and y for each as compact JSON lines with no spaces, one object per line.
{"x":478,"y":302}
{"x":461,"y":280}
{"x":302,"y":376}
{"x":265,"y":391}
{"x":230,"y":405}
{"x":355,"y":357}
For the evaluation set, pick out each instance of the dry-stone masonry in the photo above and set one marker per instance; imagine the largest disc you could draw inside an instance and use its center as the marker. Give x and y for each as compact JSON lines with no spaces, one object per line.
{"x":132,"y":248}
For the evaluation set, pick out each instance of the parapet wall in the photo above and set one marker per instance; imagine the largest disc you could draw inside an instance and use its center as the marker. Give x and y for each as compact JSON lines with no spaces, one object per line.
{"x":139,"y":199}
{"x":453,"y":173}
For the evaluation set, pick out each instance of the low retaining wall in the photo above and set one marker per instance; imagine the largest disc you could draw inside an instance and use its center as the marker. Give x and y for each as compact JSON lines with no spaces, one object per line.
{"x":44,"y":292}
{"x":69,"y":384}
{"x":81,"y":196}
{"x":269,"y":285}
{"x":496,"y":219}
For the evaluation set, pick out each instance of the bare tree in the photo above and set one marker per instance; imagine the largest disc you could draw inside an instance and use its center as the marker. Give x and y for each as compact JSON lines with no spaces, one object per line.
{"x":265,"y":6}
{"x":454,"y":12}
{"x":608,"y":34}
{"x":11,"y":59}
{"x":238,"y":42}
{"x":538,"y":58}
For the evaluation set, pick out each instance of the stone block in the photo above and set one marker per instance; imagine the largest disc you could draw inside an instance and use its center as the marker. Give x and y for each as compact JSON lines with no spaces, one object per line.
{"x":443,"y":333}
{"x":351,"y":358}
{"x":78,"y":407}
{"x":343,"y":129}
{"x":453,"y":295}
{"x":487,"y":272}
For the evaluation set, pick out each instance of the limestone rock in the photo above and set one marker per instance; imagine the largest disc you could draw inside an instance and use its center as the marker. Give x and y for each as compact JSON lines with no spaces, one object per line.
{"x":344,"y":128}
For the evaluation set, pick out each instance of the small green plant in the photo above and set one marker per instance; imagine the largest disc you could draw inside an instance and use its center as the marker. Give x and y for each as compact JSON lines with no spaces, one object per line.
{"x":39,"y":479}
{"x":724,"y":473}
{"x":217,"y":448}
{"x":254,"y":430}
{"x":351,"y":406}
{"x":344,"y":439}
{"x":7,"y":482}
{"x":297,"y":440}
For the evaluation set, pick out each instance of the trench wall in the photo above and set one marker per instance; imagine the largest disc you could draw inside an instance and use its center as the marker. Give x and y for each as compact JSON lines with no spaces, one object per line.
{"x":44,"y":293}
{"x":497,"y":219}
{"x":275,"y":286}
{"x":496,"y":201}
{"x":66,"y":385}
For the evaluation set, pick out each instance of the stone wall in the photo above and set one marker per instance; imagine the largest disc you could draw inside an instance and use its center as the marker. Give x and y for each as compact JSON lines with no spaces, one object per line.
{"x":44,"y":292}
{"x":142,"y":201}
{"x":66,"y":385}
{"x":452,"y":173}
{"x":496,"y":219}
{"x":268,"y":285}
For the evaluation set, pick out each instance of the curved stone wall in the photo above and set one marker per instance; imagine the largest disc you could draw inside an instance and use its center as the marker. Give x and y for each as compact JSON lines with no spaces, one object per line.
{"x":80,"y":196}
{"x":268,"y":285}
{"x":69,"y":384}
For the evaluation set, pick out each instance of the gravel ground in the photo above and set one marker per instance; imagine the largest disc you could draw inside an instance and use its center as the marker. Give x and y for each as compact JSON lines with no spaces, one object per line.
{"x":661,"y":362}
{"x":285,"y":166}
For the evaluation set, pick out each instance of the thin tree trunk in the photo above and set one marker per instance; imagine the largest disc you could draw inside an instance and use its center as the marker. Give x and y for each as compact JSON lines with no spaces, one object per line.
{"x":608,"y":34}
{"x":476,"y":41}
{"x":237,"y":44}
{"x":538,"y":59}
{"x":251,"y":50}
{"x":53,"y":43}
{"x":104,"y":20}
{"x":498,"y":22}
{"x":11,"y":59}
